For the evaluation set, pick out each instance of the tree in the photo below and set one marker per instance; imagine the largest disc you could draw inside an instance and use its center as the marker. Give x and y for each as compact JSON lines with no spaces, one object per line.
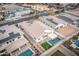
{"x":52,"y":11}
{"x":75,"y":38}
{"x":2,"y":16}
{"x":36,"y":16}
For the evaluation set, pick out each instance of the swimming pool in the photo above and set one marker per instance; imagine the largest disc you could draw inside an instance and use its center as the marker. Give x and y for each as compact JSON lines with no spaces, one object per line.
{"x":54,"y":41}
{"x":26,"y":53}
{"x":76,"y":43}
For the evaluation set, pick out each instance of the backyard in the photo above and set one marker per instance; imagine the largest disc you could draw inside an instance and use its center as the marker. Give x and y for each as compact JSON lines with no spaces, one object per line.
{"x":46,"y":46}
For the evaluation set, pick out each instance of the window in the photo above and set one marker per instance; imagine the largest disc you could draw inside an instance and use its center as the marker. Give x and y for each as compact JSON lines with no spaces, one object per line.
{"x":10,"y":41}
{"x":13,"y":39}
{"x":25,"y":44}
{"x":35,"y":49}
{"x":18,"y":37}
{"x":7,"y":42}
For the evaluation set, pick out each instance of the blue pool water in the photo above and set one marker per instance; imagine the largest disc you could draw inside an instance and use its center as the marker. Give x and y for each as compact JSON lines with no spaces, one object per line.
{"x":54,"y":41}
{"x":26,"y":53}
{"x":76,"y":43}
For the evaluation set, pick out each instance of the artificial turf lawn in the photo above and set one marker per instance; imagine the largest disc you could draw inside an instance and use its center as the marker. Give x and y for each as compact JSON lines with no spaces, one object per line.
{"x":46,"y":46}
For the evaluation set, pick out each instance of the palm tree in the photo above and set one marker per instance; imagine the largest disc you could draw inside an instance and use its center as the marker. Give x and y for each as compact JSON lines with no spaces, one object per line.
{"x":14,"y":21}
{"x":2,"y":16}
{"x":52,"y":11}
{"x":36,"y":16}
{"x":63,"y":9}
